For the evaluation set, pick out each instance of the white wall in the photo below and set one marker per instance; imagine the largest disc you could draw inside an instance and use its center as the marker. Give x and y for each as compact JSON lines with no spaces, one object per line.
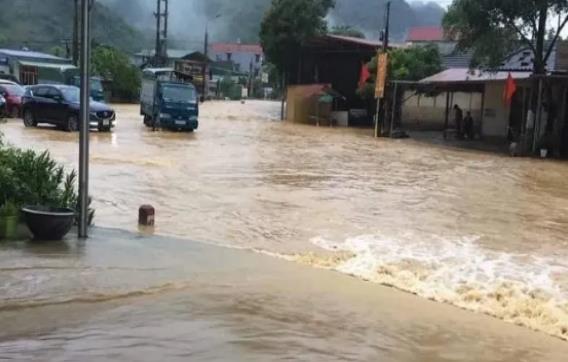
{"x":428,"y":113}
{"x":496,"y":114}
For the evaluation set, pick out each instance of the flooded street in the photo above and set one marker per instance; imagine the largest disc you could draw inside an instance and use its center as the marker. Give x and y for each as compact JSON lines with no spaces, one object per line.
{"x":476,"y":230}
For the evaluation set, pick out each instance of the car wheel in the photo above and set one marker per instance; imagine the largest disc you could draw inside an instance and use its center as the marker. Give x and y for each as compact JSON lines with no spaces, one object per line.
{"x":29,"y":119}
{"x":72,"y":124}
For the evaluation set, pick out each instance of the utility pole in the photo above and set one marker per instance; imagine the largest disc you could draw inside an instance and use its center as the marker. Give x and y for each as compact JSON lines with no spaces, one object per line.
{"x":379,"y":128}
{"x":75,"y":46}
{"x":387,"y":27}
{"x":165,"y":34}
{"x":205,"y":63}
{"x":84,"y":118}
{"x":161,"y":51}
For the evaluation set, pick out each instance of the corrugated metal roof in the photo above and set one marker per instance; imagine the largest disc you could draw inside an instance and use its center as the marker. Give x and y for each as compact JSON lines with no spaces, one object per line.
{"x":523,"y":59}
{"x":465,"y":75}
{"x":172,"y":53}
{"x":30,"y":54}
{"x":360,"y":41}
{"x":236,"y":48}
{"x":457,"y":60}
{"x":62,"y":67}
{"x":425,"y":34}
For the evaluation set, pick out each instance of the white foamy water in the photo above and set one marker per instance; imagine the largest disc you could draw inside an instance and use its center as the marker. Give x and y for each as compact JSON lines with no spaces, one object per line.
{"x":518,"y":288}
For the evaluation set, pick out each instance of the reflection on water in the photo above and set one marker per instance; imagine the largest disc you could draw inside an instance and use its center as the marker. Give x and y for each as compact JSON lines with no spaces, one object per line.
{"x":476,"y":230}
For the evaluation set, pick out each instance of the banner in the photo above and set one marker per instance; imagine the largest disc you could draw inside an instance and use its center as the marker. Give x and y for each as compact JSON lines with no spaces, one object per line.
{"x":382,"y":67}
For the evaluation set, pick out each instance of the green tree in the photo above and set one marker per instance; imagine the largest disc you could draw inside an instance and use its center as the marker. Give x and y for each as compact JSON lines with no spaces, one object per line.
{"x":287,"y":25}
{"x":493,"y":28}
{"x":412,"y":64}
{"x":58,"y":51}
{"x":347,"y":30}
{"x":114,"y":65}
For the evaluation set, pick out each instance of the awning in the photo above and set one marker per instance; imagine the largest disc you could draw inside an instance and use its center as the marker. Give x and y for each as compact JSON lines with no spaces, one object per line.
{"x":51,"y":72}
{"x":61,"y":67}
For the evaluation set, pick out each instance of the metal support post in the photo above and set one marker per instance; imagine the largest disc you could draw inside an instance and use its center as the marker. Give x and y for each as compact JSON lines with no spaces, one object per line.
{"x":84,"y":120}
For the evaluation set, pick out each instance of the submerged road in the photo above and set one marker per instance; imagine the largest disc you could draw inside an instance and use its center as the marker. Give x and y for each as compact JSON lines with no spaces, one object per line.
{"x":476,"y":230}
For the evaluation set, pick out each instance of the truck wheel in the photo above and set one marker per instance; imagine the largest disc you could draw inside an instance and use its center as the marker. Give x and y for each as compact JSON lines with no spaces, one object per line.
{"x":104,"y":129}
{"x":72,"y":124}
{"x":29,"y":119}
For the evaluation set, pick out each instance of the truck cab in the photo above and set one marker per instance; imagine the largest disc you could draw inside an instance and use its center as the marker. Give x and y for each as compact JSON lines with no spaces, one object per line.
{"x":168,"y":102}
{"x":97,"y":89}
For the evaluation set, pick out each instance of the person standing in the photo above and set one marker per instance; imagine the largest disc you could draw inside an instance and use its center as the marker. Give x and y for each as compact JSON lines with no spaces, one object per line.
{"x":468,"y":126}
{"x":458,"y":117}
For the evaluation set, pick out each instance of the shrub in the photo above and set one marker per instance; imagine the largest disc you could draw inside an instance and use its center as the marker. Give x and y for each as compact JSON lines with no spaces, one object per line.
{"x":9,"y":209}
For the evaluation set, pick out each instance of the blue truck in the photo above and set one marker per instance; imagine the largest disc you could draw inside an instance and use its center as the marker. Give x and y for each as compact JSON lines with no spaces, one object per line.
{"x":168,"y":101}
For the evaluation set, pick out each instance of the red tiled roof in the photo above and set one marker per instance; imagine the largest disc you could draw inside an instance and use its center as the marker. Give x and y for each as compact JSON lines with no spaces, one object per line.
{"x":425,"y":33}
{"x":236,"y":48}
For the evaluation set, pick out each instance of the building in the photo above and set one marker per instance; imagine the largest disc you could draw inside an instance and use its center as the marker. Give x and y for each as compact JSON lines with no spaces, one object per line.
{"x":481,"y":93}
{"x":451,"y":58}
{"x":243,"y":56}
{"x":30,"y":67}
{"x":332,"y":61}
{"x":144,"y":57}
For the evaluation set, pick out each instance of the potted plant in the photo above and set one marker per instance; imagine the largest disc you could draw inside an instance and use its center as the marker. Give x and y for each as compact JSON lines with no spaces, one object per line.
{"x":47,"y":192}
{"x":9,"y":217}
{"x":48,"y":223}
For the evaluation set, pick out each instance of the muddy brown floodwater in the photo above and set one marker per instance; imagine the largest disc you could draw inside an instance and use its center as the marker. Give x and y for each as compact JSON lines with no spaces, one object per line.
{"x":476,"y":230}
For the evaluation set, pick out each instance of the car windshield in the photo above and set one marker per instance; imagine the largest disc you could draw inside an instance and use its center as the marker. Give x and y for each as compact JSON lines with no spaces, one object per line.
{"x":71,"y":94}
{"x":178,"y":94}
{"x":96,"y":85}
{"x":14,"y":89}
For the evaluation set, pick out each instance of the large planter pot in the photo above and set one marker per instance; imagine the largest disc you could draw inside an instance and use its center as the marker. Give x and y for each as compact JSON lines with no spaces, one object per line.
{"x":8,"y":227}
{"x":47,"y":223}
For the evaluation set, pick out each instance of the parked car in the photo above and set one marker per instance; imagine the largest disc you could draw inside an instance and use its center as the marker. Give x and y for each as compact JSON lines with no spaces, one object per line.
{"x":2,"y":106}
{"x":12,"y":93}
{"x":9,"y":78}
{"x":59,"y":105}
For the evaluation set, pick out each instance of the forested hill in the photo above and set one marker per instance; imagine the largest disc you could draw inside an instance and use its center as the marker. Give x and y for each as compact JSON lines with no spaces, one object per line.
{"x":129,"y":24}
{"x":240,"y":19}
{"x":368,"y":16}
{"x":47,"y":24}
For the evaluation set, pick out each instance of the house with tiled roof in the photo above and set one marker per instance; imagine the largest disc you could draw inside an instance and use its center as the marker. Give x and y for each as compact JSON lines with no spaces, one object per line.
{"x":425,"y":34}
{"x":451,"y":57}
{"x":243,"y":56}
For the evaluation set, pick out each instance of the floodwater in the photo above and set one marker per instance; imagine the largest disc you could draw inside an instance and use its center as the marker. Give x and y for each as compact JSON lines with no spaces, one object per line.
{"x":476,"y":230}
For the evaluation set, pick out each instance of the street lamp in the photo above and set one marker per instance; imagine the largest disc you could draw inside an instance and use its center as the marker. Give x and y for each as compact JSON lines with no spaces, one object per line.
{"x":206,"y":60}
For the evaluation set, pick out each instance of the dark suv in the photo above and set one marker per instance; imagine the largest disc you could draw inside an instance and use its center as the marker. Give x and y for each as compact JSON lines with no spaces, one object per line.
{"x":59,"y":105}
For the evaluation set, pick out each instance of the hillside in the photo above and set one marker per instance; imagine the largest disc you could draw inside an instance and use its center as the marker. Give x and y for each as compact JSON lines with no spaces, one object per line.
{"x":240,"y":19}
{"x":43,"y":25}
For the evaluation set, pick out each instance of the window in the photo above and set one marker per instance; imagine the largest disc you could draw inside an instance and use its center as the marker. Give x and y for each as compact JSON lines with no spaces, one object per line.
{"x":229,"y":56}
{"x":40,"y":92}
{"x":53,"y":93}
{"x":257,"y":58}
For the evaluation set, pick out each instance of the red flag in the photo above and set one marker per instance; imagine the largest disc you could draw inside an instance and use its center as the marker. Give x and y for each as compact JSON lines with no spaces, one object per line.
{"x":510,"y":89}
{"x":365,"y":75}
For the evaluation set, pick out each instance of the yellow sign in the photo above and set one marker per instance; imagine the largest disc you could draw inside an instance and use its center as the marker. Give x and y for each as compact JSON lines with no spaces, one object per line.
{"x":382,"y":67}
